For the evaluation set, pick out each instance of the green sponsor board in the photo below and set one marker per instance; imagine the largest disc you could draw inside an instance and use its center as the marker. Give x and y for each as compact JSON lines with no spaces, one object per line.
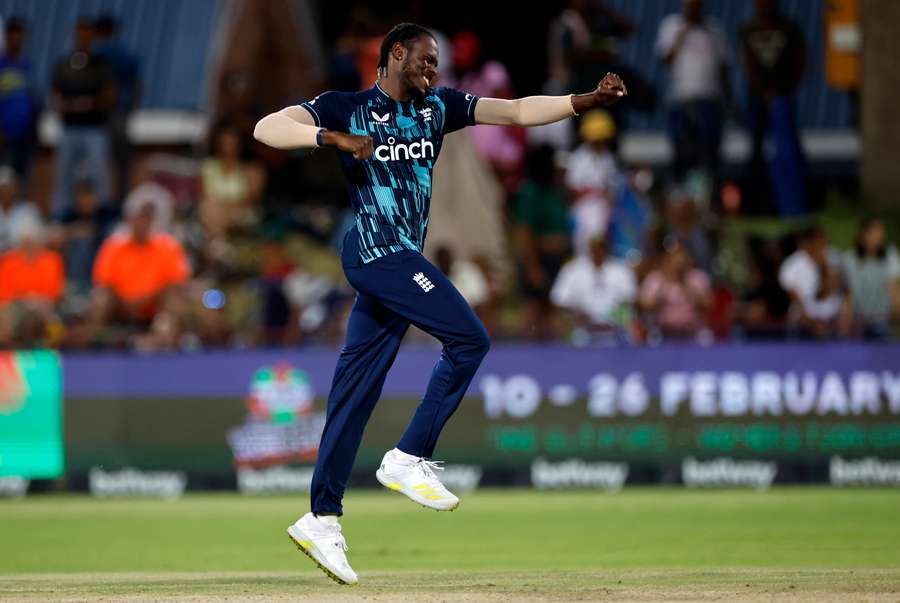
{"x":192,"y":435}
{"x":210,"y":414}
{"x":31,"y":431}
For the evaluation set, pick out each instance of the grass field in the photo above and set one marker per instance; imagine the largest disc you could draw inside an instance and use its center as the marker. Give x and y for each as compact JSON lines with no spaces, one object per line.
{"x":655,"y":543}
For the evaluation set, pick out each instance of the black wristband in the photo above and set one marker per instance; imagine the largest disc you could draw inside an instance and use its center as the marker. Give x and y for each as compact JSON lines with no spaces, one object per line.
{"x":320,"y":137}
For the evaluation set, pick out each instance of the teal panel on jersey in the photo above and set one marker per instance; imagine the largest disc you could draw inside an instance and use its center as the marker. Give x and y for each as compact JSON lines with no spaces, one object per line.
{"x":391,"y":191}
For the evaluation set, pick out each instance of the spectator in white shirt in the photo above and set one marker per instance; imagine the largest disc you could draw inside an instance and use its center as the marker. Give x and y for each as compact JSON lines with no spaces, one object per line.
{"x":592,"y":179}
{"x":13,"y":210}
{"x":695,"y":49}
{"x":599,"y":290}
{"x":812,"y":279}
{"x":872,"y":269}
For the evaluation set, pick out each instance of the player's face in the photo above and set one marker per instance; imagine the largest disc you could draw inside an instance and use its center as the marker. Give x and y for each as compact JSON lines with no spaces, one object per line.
{"x":420,"y":67}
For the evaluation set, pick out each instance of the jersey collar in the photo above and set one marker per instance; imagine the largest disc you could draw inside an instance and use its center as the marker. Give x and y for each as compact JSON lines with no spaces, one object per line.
{"x":399,"y":105}
{"x":382,"y":92}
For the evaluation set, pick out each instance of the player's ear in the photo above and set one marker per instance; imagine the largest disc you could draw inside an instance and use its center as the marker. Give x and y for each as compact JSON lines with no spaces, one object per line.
{"x":398,"y":51}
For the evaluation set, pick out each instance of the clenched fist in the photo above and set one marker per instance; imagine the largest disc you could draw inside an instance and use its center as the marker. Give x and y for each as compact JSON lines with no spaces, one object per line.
{"x":610,"y":89}
{"x":359,"y":146}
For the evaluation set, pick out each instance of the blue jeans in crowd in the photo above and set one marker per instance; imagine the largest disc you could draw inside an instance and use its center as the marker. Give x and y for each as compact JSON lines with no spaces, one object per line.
{"x":695,"y":131}
{"x":775,"y":118}
{"x":82,"y":154}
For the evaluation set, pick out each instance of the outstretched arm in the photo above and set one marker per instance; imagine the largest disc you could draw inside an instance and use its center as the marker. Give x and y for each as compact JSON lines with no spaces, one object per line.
{"x":294,"y":128}
{"x":539,"y":110}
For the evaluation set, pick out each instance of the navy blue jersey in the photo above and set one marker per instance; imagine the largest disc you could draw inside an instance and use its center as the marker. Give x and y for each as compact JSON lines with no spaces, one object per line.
{"x":391,"y":191}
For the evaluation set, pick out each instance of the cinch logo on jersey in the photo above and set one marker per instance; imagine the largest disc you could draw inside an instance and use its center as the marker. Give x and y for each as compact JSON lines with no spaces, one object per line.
{"x":423,"y":149}
{"x":423,"y":281}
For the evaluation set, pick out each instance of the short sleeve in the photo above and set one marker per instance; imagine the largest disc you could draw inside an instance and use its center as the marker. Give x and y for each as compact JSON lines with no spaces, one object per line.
{"x":786,"y":274}
{"x":665,"y":37}
{"x":5,"y":280}
{"x":179,"y":269}
{"x":329,"y":110}
{"x":575,"y":172}
{"x":893,"y":264}
{"x":698,"y":281}
{"x":57,"y":276}
{"x":459,"y":108}
{"x":652,"y":287}
{"x":563,"y":293}
{"x":627,"y":283}
{"x":103,"y":265}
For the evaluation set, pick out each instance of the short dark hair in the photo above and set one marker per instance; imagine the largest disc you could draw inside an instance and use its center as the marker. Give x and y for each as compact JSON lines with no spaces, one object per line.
{"x":867,"y":223}
{"x":404,"y":33}
{"x":811,"y":233}
{"x":106,"y":25}
{"x":15,"y":25}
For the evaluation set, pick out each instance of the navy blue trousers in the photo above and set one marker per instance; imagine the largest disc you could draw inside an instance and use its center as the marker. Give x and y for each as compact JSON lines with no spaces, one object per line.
{"x":393,"y":292}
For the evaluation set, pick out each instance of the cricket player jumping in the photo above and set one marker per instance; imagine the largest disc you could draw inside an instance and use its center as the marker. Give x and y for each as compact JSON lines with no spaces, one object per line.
{"x":388,"y":139}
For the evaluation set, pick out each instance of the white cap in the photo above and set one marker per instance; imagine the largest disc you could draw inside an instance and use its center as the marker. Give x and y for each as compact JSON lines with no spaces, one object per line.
{"x":153,"y":194}
{"x":28,"y":226}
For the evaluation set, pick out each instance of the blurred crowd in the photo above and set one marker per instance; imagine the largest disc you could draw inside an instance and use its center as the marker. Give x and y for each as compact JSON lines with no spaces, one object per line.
{"x":234,"y":244}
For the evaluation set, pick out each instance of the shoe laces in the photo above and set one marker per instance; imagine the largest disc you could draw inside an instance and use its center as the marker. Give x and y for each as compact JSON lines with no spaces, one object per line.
{"x":339,"y":540}
{"x":428,"y":468}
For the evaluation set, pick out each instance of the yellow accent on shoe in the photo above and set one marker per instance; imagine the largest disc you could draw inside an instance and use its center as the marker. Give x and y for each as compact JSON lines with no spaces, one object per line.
{"x":434,"y":497}
{"x":394,"y":486}
{"x":422,"y":487}
{"x":305,"y":546}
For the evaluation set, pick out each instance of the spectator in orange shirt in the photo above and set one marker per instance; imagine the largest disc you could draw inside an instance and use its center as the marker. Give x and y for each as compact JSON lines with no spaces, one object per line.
{"x":32,"y":280}
{"x":138,"y":276}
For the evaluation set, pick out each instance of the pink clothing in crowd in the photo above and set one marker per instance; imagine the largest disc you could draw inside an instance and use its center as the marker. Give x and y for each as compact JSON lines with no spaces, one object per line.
{"x":676,"y":312}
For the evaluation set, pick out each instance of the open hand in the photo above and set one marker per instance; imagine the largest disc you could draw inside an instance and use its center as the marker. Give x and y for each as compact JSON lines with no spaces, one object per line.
{"x":610,"y":89}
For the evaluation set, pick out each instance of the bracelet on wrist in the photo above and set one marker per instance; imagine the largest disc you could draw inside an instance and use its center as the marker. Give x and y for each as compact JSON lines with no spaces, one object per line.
{"x":320,"y":137}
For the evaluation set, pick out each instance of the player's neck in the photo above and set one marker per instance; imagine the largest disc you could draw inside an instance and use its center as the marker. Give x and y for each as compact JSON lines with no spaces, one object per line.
{"x":394,"y":88}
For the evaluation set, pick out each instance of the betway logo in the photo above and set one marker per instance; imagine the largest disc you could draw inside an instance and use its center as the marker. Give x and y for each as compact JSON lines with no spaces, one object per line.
{"x":575,"y":473}
{"x":134,"y":482}
{"x":728,"y":472}
{"x":864,"y":472}
{"x":422,"y":149}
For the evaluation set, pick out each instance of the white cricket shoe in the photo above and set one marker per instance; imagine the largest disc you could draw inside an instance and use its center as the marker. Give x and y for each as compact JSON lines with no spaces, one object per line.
{"x":414,"y":477}
{"x":321,"y":540}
